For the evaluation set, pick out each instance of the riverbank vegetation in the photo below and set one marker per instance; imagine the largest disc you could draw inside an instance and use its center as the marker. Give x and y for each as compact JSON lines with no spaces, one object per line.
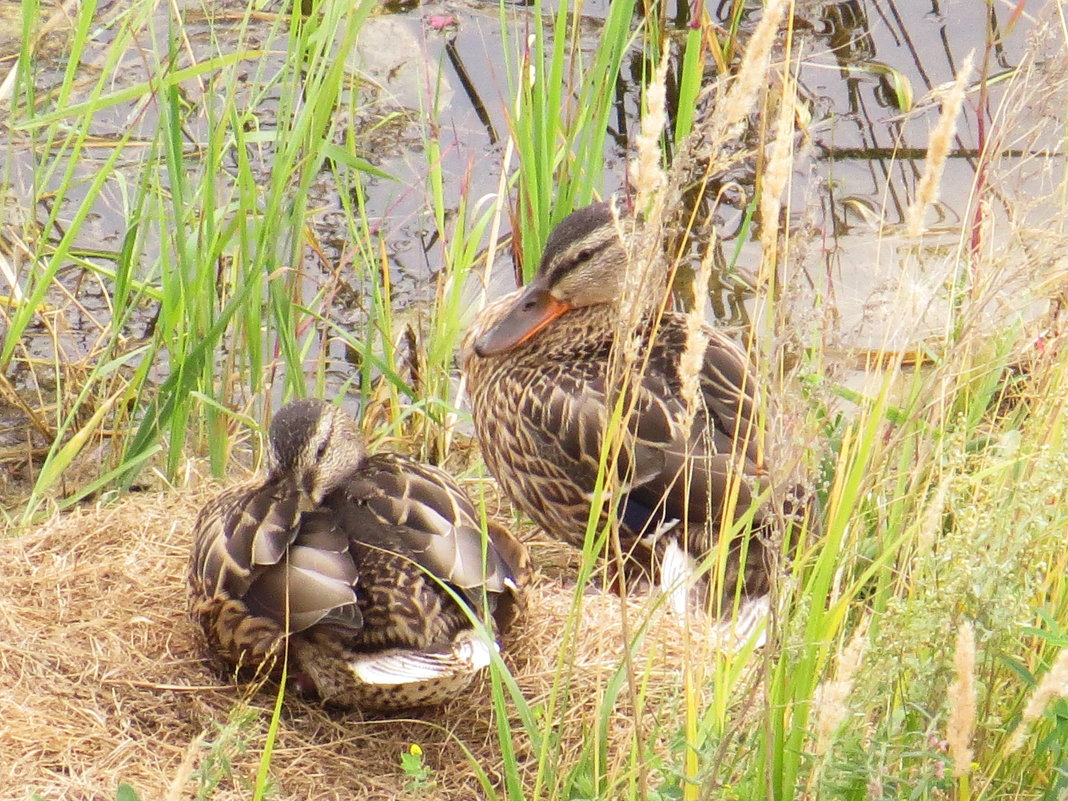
{"x":917,"y":644}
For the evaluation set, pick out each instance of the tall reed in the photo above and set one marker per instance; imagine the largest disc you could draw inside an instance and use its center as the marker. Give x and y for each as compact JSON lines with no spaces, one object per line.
{"x":942,"y":492}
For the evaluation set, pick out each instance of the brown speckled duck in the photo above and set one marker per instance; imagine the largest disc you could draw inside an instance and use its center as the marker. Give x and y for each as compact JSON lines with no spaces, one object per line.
{"x":537,"y":364}
{"x":373,"y":564}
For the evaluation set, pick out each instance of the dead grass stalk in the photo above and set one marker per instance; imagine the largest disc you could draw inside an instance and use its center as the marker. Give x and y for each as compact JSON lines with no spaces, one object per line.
{"x":105,"y":680}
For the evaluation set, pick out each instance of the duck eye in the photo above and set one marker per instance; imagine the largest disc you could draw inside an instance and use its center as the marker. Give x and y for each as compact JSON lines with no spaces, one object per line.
{"x":583,"y":255}
{"x":320,"y":450}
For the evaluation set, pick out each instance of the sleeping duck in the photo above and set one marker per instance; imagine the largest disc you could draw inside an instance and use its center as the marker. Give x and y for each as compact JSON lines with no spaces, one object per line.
{"x":370,"y":573}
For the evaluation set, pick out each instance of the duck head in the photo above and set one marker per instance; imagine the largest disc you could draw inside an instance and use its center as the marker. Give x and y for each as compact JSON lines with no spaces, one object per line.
{"x":582,"y":265}
{"x":316,"y":445}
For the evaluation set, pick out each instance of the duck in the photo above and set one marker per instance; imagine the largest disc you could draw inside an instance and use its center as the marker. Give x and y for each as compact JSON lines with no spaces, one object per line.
{"x":368,"y":575}
{"x":538,"y":367}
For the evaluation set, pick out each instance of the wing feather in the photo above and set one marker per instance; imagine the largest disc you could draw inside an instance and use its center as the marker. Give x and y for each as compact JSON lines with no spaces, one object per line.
{"x":668,"y":471}
{"x":418,"y":511}
{"x":255,"y":545}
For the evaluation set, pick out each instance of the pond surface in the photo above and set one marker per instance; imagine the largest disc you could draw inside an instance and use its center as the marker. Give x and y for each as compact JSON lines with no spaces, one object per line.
{"x":861,"y":155}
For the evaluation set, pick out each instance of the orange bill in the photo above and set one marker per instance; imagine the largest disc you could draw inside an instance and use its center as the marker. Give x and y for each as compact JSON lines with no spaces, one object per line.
{"x":534,"y":310}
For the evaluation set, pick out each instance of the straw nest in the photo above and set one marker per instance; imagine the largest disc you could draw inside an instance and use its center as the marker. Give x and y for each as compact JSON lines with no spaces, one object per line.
{"x":106,"y":681}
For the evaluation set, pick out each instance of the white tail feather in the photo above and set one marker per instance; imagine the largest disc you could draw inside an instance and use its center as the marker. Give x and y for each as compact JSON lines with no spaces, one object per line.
{"x":748,"y":628}
{"x":400,"y":666}
{"x":677,"y":573}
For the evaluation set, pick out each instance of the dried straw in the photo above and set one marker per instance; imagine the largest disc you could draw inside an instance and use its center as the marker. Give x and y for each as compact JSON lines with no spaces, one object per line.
{"x":105,"y":681}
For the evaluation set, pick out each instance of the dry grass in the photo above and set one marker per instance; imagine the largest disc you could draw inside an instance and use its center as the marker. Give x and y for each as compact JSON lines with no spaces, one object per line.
{"x":960,"y":727}
{"x":938,"y":149}
{"x":104,"y":678}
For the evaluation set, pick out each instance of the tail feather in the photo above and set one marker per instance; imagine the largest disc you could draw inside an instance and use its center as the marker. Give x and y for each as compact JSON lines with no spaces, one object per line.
{"x":678,"y":571}
{"x":403,"y":666}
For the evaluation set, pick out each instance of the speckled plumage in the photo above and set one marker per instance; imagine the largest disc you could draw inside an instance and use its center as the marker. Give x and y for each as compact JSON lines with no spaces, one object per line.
{"x":360,"y":554}
{"x":541,"y":395}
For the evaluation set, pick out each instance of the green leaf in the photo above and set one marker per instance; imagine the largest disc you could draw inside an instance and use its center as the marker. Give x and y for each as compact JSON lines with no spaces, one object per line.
{"x":342,"y":156}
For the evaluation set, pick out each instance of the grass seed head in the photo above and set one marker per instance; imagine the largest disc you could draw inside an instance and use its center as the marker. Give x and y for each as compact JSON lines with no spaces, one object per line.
{"x":961,"y":724}
{"x":938,"y":149}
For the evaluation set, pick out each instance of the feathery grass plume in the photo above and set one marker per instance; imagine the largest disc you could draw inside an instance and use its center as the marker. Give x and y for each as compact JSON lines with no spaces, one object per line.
{"x":932,"y":520}
{"x":645,"y":171}
{"x":185,"y":769}
{"x":714,"y":144}
{"x":938,"y":149}
{"x":961,"y":693}
{"x":753,"y":71}
{"x":693,"y":355}
{"x":634,"y":290}
{"x":1054,"y":685}
{"x":649,"y":181}
{"x":776,"y":174}
{"x":830,"y":697}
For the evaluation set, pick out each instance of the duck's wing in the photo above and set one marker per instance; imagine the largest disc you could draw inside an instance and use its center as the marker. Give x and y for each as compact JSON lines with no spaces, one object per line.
{"x":259,"y":546}
{"x":685,"y":464}
{"x":242,"y":528}
{"x":668,"y":470}
{"x":419,"y":512}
